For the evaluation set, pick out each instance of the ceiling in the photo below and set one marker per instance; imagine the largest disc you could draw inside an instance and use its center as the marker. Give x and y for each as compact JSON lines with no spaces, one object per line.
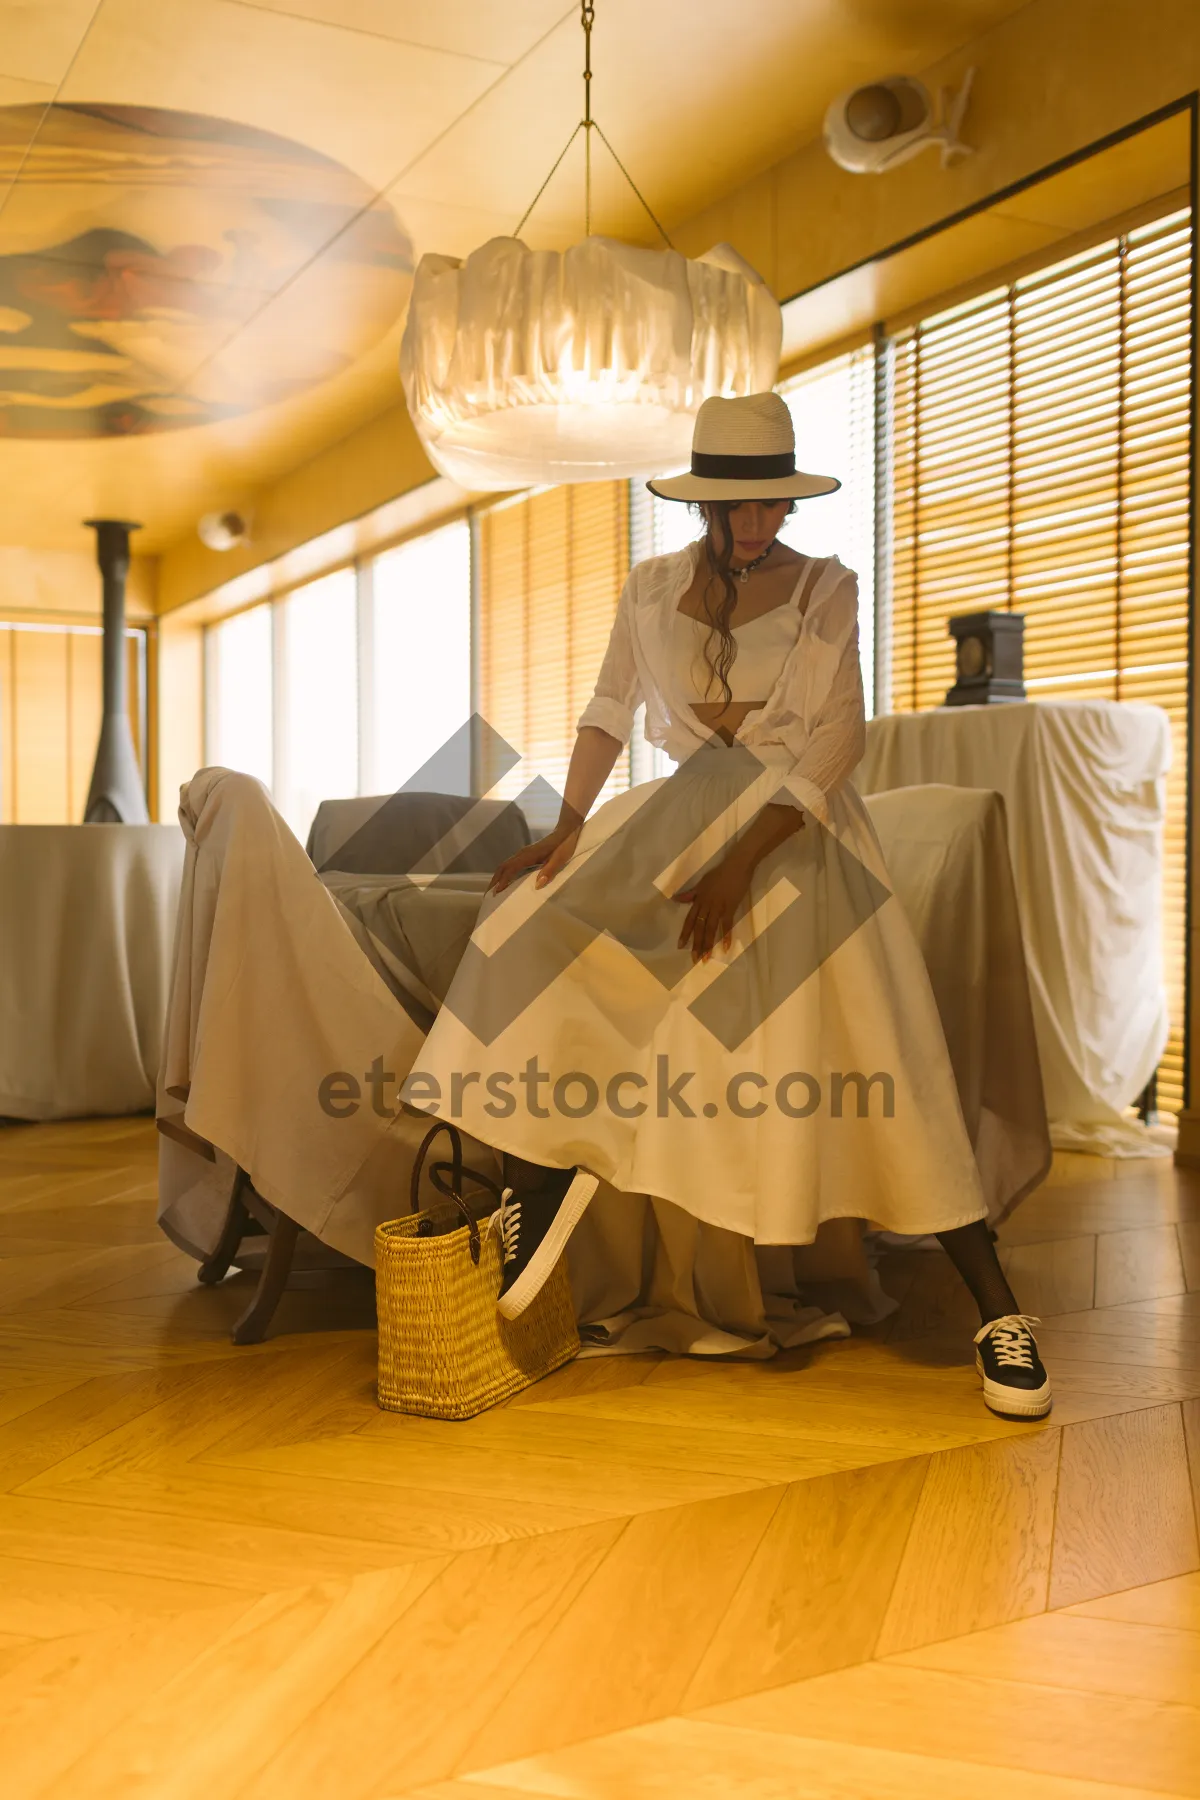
{"x":1145,"y":169}
{"x":210,"y":209}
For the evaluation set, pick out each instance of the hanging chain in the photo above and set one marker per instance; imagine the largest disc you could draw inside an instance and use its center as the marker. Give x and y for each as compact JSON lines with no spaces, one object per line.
{"x":549,"y":178}
{"x":587,"y":13}
{"x":587,"y":17}
{"x":637,"y":192}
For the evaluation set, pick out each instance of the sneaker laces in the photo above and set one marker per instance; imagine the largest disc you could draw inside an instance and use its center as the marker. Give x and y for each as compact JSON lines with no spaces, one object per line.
{"x":1012,"y":1339}
{"x":506,"y":1221}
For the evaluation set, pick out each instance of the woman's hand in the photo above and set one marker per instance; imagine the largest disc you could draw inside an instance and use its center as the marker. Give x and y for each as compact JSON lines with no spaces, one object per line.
{"x":552,"y":852}
{"x":716,"y":899}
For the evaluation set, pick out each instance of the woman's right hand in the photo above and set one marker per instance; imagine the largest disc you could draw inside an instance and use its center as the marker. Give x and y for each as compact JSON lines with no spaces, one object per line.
{"x":552,"y":852}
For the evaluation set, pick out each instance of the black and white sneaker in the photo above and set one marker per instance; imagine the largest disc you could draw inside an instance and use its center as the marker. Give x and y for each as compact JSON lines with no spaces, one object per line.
{"x":534,"y":1228}
{"x":1014,"y":1381}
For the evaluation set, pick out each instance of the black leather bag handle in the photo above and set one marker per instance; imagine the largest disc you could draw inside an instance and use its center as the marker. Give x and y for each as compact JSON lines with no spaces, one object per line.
{"x":437,"y":1174}
{"x":452,"y":1188}
{"x":414,"y":1186}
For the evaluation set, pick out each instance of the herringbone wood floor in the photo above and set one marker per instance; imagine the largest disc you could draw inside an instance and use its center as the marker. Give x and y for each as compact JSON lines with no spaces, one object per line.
{"x":226,"y":1573}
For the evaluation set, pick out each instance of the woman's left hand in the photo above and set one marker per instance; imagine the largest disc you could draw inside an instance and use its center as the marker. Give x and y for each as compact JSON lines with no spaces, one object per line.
{"x":716,"y":899}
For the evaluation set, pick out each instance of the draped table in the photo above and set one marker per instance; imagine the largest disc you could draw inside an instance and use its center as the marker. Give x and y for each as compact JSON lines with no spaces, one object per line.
{"x":1083,"y":783}
{"x":284,"y":976}
{"x":87,"y":924}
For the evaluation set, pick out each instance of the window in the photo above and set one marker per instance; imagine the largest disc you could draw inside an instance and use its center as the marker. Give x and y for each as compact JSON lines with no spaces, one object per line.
{"x":1040,"y":463}
{"x":316,"y":714}
{"x":238,"y":682}
{"x":417,"y":658}
{"x":348,"y":684}
{"x":833,"y":411}
{"x":672,"y":525}
{"x":551,"y":568}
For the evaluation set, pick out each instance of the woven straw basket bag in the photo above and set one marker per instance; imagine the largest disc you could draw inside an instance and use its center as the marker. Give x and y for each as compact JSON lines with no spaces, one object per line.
{"x":444,"y":1350}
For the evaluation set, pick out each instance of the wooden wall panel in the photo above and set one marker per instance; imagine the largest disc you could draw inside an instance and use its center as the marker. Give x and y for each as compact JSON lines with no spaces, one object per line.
{"x":51,"y":695}
{"x":8,"y":735}
{"x":41,"y":773}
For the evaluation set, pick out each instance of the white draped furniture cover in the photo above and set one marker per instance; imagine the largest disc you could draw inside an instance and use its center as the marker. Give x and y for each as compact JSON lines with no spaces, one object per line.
{"x":1084,"y":787}
{"x":87,"y":923}
{"x":283,"y":976}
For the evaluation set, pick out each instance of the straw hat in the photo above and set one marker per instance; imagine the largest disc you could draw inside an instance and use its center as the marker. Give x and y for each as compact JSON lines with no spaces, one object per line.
{"x":744,"y":449}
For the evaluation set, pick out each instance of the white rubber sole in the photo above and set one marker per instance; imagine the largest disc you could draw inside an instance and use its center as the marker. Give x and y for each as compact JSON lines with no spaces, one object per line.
{"x":1015,"y":1403}
{"x":541,"y":1264}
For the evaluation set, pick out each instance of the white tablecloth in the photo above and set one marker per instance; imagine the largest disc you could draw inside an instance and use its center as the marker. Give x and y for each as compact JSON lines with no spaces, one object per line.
{"x":87,"y":922}
{"x":1084,"y":786}
{"x":947,"y":856}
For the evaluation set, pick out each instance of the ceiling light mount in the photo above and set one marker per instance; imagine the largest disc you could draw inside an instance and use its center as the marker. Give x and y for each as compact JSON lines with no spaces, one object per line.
{"x":224,"y":530}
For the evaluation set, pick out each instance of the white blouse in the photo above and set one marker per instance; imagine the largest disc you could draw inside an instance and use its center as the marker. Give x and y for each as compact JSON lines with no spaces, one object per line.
{"x":760,"y":646}
{"x":812,"y":728}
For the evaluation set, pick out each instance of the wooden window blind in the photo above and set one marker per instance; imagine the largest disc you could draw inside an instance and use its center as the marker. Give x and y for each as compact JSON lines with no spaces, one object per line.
{"x":1039,"y":463}
{"x":551,"y":566}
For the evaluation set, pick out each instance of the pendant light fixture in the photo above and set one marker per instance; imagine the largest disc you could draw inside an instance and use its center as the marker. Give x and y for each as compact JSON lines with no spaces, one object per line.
{"x":523,"y":367}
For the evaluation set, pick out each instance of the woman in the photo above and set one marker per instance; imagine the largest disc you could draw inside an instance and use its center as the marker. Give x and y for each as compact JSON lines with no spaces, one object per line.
{"x":708,"y":992}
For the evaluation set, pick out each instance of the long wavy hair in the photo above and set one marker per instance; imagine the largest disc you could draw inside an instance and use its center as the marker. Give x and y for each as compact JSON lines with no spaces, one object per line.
{"x":719,"y":595}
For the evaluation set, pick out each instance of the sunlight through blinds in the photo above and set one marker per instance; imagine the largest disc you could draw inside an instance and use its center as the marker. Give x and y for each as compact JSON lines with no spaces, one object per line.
{"x":1039,"y":463}
{"x":551,"y":566}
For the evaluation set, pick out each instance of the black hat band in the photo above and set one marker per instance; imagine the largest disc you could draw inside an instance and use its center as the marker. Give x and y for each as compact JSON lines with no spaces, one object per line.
{"x":743,"y":468}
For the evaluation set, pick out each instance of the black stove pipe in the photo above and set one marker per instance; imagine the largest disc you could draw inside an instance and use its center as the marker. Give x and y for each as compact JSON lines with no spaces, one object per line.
{"x":116,"y":795}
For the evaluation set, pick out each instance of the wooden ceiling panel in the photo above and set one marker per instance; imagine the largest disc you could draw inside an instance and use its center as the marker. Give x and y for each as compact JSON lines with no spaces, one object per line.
{"x":1100,"y":187}
{"x":499,"y":31}
{"x":557,"y":219}
{"x":448,"y":230}
{"x":371,"y":104}
{"x":696,"y":99}
{"x":38,"y":38}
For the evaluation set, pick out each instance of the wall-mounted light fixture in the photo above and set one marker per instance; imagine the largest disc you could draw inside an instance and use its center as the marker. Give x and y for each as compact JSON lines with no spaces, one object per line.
{"x":874,"y":128}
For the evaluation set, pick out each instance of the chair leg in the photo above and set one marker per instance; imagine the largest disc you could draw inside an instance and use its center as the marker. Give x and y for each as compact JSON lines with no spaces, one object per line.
{"x":252,"y":1326}
{"x":237,"y":1222}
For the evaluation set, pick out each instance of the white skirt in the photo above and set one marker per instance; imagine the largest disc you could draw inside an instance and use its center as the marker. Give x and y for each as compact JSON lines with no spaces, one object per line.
{"x":800,"y":1076}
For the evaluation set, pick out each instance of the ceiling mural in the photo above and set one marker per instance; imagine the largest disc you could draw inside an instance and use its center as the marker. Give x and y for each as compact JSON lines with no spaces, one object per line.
{"x":163,"y":269}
